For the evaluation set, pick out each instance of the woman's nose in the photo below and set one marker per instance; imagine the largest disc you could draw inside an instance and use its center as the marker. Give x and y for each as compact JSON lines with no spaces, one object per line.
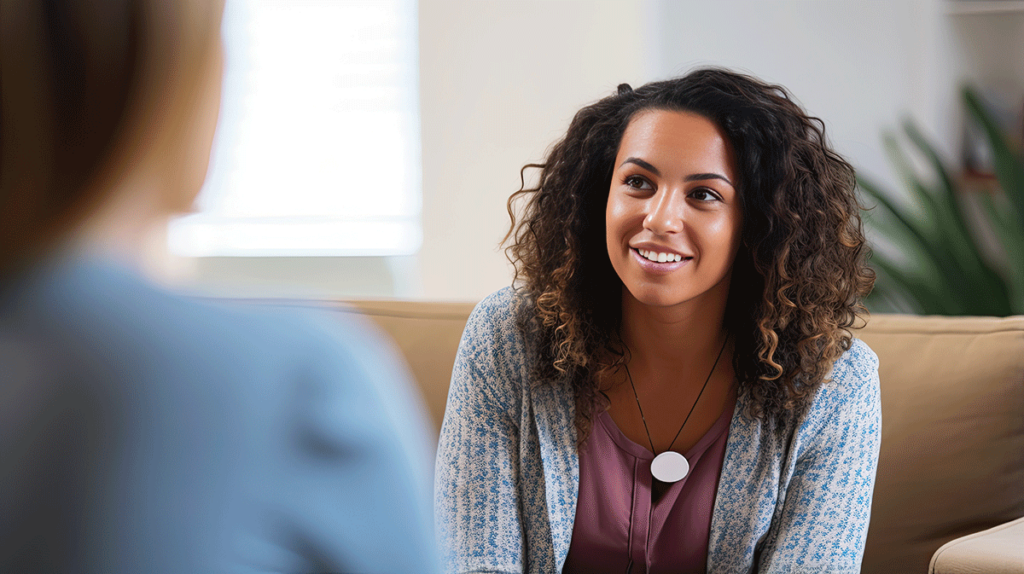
{"x":665,"y":213}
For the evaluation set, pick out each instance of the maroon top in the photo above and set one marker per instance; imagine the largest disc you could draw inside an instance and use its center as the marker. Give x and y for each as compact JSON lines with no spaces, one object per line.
{"x":626,"y":521}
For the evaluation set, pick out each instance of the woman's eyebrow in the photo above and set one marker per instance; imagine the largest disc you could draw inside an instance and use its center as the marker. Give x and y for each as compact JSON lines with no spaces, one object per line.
{"x":700,"y":176}
{"x":691,"y":177}
{"x":643,"y":164}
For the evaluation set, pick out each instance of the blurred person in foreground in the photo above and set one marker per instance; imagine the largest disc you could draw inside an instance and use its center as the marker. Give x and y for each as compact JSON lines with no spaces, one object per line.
{"x":141,"y":431}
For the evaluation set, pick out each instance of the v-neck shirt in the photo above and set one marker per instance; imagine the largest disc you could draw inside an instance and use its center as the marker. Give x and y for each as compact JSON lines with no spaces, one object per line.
{"x":627,"y":521}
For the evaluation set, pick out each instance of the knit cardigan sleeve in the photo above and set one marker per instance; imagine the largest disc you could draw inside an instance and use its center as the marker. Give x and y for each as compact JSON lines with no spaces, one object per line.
{"x":477,"y":491}
{"x":821,"y":523}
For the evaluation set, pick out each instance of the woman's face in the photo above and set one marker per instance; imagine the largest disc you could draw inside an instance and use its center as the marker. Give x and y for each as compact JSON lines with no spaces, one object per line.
{"x":673,"y":219}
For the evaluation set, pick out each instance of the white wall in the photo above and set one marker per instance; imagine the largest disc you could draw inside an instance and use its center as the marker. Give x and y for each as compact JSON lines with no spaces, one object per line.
{"x":857,"y":65}
{"x":500,"y":81}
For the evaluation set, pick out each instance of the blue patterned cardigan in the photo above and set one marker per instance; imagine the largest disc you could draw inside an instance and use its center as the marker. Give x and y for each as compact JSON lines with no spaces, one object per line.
{"x":794,"y":495}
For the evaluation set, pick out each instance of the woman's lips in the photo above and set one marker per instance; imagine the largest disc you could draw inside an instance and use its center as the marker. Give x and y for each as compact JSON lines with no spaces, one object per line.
{"x":656,"y":267}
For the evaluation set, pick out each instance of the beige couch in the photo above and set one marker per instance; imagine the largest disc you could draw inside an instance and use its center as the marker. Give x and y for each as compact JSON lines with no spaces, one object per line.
{"x":950,"y":490}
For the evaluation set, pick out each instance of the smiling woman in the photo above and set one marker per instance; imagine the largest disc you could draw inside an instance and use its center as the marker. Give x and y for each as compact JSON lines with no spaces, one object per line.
{"x":671,"y":385}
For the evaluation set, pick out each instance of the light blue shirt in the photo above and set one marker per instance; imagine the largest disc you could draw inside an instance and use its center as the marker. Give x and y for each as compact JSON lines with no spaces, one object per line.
{"x":146,"y":432}
{"x":794,"y":494}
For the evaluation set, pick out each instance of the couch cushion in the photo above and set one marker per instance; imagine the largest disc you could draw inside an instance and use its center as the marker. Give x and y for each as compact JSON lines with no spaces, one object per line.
{"x":952,"y":455}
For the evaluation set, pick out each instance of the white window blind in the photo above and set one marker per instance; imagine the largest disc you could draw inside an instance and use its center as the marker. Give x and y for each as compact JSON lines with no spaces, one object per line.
{"x":317,"y":149}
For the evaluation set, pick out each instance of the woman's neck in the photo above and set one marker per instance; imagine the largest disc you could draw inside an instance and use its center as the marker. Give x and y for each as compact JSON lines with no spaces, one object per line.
{"x":669,"y":339}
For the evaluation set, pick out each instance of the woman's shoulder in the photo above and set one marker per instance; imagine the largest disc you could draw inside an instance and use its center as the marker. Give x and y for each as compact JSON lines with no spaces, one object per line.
{"x":504,"y":307}
{"x":855,"y":371}
{"x":494,"y":356}
{"x":851,"y":386}
{"x":341,"y":350}
{"x":115,"y":312}
{"x":859,"y":356}
{"x":499,"y":319}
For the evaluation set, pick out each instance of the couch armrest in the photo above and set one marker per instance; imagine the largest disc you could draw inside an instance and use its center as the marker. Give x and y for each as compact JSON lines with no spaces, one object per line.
{"x":998,"y":550}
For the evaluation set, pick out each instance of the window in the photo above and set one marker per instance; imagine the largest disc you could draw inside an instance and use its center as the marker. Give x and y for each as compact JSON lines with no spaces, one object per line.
{"x":317,"y":150}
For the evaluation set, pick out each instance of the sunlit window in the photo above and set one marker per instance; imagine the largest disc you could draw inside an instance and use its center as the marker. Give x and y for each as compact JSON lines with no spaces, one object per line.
{"x":317,"y":150}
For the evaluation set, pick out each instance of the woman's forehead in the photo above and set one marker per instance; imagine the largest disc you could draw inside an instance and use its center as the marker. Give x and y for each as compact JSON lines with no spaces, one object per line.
{"x":676,"y":141}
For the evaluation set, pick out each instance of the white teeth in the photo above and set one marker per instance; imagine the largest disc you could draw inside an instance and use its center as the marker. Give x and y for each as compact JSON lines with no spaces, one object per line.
{"x":660,"y":257}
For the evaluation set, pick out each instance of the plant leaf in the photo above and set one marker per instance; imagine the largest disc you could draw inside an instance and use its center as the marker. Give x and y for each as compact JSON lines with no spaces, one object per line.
{"x":1008,"y":165}
{"x":967,"y":293}
{"x":929,"y":302}
{"x":1011,"y":236}
{"x":957,"y":235}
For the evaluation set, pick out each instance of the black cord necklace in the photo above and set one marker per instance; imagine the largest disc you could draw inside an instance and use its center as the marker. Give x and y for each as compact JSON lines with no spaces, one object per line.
{"x":671,"y":466}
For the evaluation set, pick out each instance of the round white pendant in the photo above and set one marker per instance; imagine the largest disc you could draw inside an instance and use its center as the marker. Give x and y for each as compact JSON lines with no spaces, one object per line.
{"x":670,"y":466}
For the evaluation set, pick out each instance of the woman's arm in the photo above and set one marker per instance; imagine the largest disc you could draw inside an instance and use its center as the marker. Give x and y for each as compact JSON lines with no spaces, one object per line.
{"x":477,"y":477}
{"x":823,"y":522}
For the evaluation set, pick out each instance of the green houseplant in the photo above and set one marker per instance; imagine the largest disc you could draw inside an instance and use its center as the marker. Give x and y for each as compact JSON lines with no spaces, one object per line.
{"x":935,"y":258}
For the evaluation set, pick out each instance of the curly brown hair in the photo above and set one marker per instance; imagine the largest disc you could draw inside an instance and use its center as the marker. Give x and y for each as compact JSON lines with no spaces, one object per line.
{"x":798,"y":278}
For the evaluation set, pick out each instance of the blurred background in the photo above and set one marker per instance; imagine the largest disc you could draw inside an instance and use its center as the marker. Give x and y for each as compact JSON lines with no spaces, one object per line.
{"x":367,"y":148}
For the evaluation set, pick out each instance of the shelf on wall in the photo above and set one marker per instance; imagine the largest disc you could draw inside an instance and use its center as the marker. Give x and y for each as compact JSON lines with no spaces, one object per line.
{"x":973,"y":7}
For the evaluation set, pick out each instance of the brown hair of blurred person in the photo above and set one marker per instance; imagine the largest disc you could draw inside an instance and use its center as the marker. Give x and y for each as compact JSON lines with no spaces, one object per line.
{"x":107,"y":115}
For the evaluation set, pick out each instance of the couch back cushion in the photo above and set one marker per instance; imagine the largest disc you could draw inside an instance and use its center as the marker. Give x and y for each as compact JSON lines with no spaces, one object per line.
{"x":952,"y":458}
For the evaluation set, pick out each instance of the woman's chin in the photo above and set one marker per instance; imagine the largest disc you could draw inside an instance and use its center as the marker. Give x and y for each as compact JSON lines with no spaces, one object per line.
{"x":657,"y":297}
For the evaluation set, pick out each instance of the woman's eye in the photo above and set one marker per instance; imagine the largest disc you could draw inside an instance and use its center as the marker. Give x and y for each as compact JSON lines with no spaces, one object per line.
{"x":637,"y":182}
{"x":704,"y":195}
